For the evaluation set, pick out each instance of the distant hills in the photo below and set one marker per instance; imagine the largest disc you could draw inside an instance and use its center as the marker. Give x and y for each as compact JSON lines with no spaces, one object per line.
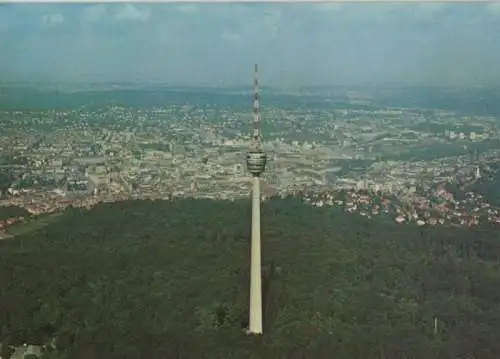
{"x":31,"y":98}
{"x":471,"y":101}
{"x":474,"y":101}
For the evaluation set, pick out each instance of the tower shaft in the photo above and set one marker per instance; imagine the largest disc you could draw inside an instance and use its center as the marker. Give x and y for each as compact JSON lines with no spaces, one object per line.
{"x":255,"y":320}
{"x":256,"y":163}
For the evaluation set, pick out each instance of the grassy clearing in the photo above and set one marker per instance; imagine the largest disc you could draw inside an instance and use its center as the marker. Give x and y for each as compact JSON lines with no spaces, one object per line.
{"x":33,"y":224}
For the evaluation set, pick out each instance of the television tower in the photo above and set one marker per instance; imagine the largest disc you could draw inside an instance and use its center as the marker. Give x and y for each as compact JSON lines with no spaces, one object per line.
{"x":256,"y":163}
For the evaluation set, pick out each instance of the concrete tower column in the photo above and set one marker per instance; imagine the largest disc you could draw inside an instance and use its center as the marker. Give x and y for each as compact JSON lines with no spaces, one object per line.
{"x":255,"y":320}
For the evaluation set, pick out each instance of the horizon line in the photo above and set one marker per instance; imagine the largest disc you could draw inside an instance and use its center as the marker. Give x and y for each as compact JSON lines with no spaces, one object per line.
{"x":3,"y":2}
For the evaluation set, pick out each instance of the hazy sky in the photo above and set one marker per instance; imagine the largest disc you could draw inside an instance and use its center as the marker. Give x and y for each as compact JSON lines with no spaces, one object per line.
{"x":294,"y":44}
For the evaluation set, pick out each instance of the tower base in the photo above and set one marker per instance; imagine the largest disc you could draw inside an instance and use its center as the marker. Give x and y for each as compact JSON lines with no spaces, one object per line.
{"x":248,"y":332}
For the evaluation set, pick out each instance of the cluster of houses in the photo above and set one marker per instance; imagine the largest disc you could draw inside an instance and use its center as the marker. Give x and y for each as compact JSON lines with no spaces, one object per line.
{"x":441,"y":208}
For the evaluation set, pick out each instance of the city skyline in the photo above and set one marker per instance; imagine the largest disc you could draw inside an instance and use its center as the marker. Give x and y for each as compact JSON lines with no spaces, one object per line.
{"x":213,"y":44}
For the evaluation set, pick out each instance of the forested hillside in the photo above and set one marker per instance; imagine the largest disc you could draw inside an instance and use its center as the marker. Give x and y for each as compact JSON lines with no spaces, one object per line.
{"x":155,"y":279}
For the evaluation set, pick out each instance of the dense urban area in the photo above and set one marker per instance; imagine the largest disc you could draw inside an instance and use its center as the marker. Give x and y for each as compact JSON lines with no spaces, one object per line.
{"x":124,"y":227}
{"x":413,"y":165}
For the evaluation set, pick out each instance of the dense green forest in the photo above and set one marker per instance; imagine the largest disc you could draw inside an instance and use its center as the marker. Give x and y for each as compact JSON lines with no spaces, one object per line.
{"x":12,"y":211}
{"x":489,"y":187}
{"x":156,"y":279}
{"x":5,"y":180}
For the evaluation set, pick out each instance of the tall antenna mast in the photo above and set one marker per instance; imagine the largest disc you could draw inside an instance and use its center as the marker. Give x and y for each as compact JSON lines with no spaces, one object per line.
{"x":257,"y":136}
{"x":256,"y":164}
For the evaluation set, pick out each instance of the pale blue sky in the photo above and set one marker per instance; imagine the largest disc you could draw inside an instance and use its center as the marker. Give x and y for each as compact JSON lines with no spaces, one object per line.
{"x":294,"y":44}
